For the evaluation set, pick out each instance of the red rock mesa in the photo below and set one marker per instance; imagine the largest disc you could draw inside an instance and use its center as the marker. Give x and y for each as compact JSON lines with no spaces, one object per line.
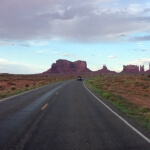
{"x":65,"y":66}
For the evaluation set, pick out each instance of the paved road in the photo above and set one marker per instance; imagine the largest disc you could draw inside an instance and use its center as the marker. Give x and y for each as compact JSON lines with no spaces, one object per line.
{"x":63,"y":116}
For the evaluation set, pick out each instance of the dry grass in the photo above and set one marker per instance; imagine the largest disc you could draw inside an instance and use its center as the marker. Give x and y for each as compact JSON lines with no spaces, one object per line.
{"x":134,"y":88}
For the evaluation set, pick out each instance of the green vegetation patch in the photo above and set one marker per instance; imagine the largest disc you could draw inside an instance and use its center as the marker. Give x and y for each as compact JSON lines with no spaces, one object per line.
{"x":139,"y":114}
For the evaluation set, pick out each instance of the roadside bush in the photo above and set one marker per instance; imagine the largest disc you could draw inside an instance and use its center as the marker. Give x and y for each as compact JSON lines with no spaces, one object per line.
{"x":41,"y":83}
{"x":112,"y":98}
{"x":13,"y":88}
{"x":1,"y":86}
{"x":26,"y":85}
{"x":146,"y":95}
{"x":91,"y":81}
{"x":3,"y":95}
{"x":145,"y":110}
{"x":106,"y":95}
{"x":34,"y":84}
{"x":11,"y":83}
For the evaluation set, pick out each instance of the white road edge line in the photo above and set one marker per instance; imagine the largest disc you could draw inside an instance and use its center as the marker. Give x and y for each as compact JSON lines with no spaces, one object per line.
{"x":128,"y":124}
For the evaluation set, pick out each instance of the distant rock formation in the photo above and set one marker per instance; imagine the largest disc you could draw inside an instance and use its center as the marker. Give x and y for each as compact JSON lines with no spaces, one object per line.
{"x":133,"y":69}
{"x":104,"y":70}
{"x":148,"y":71}
{"x":130,"y":69}
{"x":65,"y":66}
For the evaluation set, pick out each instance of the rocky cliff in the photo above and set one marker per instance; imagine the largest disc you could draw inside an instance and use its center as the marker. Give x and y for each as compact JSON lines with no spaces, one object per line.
{"x":65,"y":66}
{"x":105,"y":70}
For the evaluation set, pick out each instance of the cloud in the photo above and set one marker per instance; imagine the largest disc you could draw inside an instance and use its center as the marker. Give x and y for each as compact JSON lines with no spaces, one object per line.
{"x":62,"y":54}
{"x":142,"y":38}
{"x":84,"y":21}
{"x":38,"y":43}
{"x":5,"y":61}
{"x":67,"y":55}
{"x":139,"y":61}
{"x":140,"y":44}
{"x":112,"y":56}
{"x":143,"y":60}
{"x":143,"y":50}
{"x":6,"y":44}
{"x":19,"y":68}
{"x":25,"y":45}
{"x":135,"y":8}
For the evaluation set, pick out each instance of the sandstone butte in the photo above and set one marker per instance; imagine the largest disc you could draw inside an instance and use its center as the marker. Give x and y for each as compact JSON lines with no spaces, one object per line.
{"x":105,"y":70}
{"x":65,"y":66}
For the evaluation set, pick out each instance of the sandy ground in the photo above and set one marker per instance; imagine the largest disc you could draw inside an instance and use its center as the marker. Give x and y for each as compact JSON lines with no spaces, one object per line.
{"x":134,"y":88}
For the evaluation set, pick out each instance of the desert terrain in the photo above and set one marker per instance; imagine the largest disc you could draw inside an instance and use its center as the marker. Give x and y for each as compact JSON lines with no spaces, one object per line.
{"x":134,"y":88}
{"x":15,"y":84}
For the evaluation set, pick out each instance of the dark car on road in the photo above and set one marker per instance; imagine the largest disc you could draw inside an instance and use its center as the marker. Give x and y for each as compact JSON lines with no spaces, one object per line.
{"x":79,"y":78}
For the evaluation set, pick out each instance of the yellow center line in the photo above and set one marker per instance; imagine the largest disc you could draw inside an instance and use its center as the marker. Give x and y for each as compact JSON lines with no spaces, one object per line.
{"x":44,"y":107}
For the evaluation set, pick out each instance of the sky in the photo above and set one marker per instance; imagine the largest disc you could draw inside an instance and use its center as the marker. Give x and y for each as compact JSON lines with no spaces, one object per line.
{"x":36,"y":33}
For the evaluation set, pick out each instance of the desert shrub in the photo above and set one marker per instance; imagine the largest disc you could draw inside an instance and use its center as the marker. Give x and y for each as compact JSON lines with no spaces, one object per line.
{"x":139,"y":84}
{"x":26,"y":85}
{"x":6,"y":80}
{"x":11,"y":83}
{"x":115,"y":83}
{"x":106,"y":95}
{"x":1,"y":87}
{"x":34,"y":84}
{"x":112,"y":98}
{"x":145,"y":95}
{"x":41,"y":83}
{"x":91,"y":81}
{"x":145,"y":87}
{"x":145,"y":110}
{"x":13,"y":88}
{"x":3,"y":95}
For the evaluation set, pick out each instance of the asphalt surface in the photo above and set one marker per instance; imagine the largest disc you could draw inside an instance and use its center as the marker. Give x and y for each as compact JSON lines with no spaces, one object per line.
{"x":63,"y":116}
